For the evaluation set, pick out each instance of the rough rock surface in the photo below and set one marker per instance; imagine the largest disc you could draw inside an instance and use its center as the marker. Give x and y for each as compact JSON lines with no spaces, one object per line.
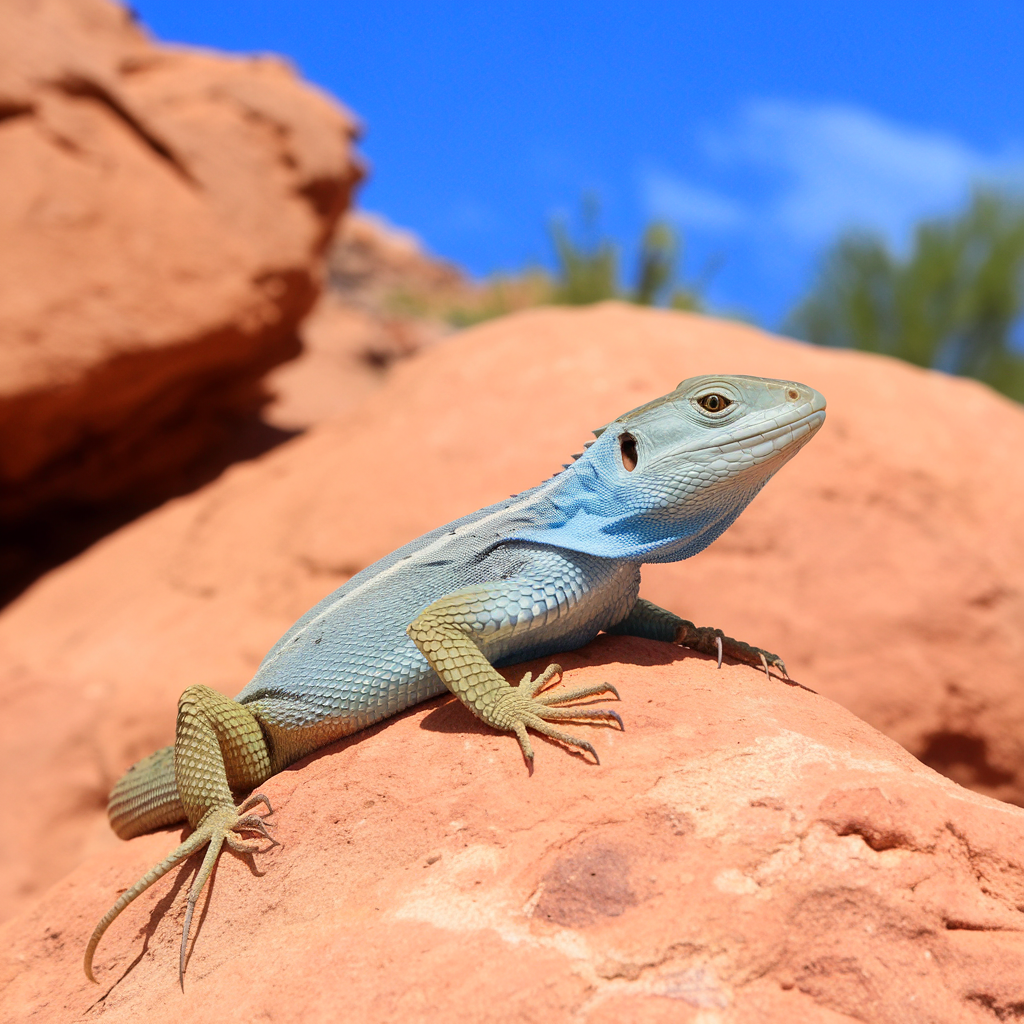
{"x":745,"y":851}
{"x":162,"y":221}
{"x":884,"y":563}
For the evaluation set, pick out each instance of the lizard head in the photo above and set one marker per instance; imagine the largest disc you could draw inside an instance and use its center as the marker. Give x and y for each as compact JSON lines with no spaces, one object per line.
{"x":665,"y":479}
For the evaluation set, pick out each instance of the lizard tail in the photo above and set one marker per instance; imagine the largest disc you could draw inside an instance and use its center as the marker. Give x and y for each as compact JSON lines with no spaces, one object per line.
{"x":188,"y":847}
{"x":146,"y":797}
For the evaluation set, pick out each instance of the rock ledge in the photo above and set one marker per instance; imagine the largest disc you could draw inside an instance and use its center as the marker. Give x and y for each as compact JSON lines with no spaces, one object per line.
{"x":745,"y":851}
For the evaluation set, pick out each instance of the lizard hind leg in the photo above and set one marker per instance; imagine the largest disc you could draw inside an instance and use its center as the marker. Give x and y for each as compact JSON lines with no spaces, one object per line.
{"x":219,"y":826}
{"x":219,"y":749}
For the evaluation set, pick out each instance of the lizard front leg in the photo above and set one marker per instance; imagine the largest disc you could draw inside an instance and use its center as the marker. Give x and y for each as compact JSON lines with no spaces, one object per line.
{"x":448,"y":633}
{"x":648,"y":620}
{"x":219,"y":747}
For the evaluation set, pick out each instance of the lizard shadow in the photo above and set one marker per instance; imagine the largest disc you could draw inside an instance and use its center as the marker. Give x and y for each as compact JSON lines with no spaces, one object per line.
{"x":158,"y":913}
{"x":446,"y":714}
{"x":450,"y":716}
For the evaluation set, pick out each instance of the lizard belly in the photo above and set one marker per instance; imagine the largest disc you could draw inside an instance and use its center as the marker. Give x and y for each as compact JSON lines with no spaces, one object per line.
{"x":353,"y":664}
{"x":348,"y":677}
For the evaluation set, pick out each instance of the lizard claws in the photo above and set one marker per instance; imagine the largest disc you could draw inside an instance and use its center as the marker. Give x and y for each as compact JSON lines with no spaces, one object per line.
{"x":250,"y":802}
{"x":518,"y":711}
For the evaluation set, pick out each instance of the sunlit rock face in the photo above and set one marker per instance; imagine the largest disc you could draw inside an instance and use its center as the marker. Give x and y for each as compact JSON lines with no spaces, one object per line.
{"x":162,"y":222}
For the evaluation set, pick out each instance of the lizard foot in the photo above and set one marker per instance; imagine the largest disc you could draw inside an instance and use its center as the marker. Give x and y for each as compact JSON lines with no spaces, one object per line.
{"x":515,"y":711}
{"x":218,"y":826}
{"x":708,"y":640}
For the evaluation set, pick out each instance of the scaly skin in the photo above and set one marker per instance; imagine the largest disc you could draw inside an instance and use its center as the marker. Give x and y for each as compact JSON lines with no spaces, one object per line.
{"x":542,"y":572}
{"x":447,"y":633}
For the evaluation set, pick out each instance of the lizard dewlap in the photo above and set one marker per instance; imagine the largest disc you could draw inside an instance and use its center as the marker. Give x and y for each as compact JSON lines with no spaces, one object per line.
{"x":541,"y":572}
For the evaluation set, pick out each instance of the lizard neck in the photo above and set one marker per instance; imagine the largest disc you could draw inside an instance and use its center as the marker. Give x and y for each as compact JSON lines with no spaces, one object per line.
{"x":577,"y":510}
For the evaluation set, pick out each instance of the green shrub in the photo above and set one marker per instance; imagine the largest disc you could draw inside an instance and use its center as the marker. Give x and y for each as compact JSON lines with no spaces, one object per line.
{"x":952,"y":303}
{"x":588,"y":268}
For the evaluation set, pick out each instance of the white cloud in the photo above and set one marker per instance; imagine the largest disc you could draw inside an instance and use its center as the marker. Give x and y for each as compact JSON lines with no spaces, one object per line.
{"x":670,"y":197}
{"x":839,"y":166}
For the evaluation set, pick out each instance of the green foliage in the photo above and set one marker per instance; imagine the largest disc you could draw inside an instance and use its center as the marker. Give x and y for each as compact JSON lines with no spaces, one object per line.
{"x":951,"y":304}
{"x":659,"y":253}
{"x":588,"y":268}
{"x":687,"y":300}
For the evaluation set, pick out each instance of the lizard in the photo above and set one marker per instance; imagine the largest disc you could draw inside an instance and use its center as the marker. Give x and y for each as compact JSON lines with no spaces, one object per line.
{"x":541,"y":572}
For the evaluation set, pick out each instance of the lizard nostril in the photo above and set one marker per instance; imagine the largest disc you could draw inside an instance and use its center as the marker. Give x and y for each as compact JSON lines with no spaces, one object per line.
{"x":627,"y":447}
{"x":792,"y":394}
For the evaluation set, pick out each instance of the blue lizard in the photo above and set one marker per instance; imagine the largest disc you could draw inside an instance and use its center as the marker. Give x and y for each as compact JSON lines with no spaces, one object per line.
{"x":541,"y":572}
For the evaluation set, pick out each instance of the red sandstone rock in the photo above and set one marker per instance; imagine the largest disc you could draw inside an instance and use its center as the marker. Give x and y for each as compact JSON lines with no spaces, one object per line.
{"x":884,"y":563}
{"x":374,"y":264}
{"x":387,"y":299}
{"x":373,"y":314}
{"x":335,"y":372}
{"x":162,"y":218}
{"x":745,"y":851}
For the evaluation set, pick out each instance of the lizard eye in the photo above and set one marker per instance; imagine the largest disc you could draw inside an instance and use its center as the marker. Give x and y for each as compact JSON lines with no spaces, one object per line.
{"x":627,"y":448}
{"x":714,"y":403}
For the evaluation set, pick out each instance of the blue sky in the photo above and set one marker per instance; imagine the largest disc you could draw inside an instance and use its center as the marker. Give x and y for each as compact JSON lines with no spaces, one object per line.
{"x":760,"y":130}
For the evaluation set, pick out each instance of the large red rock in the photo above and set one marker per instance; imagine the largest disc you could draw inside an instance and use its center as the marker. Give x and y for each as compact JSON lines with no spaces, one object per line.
{"x":883,"y":563}
{"x":745,"y":851}
{"x":162,"y":222}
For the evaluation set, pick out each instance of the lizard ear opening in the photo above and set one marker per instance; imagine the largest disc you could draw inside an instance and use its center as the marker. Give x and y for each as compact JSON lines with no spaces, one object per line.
{"x":627,"y":448}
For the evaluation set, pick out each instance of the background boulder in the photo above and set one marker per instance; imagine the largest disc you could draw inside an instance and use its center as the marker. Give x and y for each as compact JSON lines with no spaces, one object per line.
{"x":162,"y":222}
